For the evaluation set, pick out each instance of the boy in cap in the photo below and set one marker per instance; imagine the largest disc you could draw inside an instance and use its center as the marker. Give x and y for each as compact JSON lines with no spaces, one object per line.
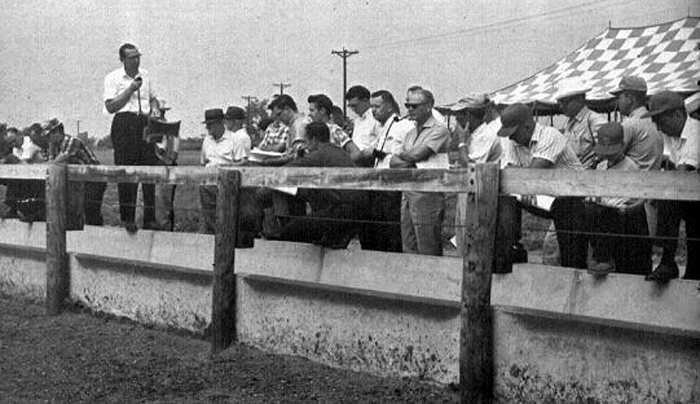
{"x":583,"y":124}
{"x":616,"y":216}
{"x":682,"y":144}
{"x":60,"y":147}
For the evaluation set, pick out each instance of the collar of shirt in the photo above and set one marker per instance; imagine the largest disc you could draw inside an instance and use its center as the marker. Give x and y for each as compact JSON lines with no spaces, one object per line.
{"x":535,"y":135}
{"x":638,"y":112}
{"x":581,"y":116}
{"x":427,"y":124}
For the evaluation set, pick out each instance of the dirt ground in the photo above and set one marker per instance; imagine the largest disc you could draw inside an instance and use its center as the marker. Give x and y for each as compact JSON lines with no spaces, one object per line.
{"x":79,"y":357}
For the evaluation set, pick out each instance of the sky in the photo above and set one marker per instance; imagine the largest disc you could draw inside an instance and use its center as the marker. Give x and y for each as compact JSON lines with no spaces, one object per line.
{"x":208,"y":54}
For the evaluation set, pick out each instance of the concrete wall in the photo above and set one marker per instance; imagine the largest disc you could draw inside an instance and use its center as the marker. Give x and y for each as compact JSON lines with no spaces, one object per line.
{"x":559,"y":334}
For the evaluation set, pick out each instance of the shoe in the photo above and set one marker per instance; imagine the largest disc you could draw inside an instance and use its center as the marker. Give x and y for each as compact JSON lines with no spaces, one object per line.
{"x":663,"y":273}
{"x":130,"y":227}
{"x":518,"y":254}
{"x":601,"y":268}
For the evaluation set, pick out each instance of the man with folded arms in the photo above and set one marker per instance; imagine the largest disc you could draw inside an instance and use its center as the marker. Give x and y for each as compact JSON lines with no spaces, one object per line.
{"x":682,"y":142}
{"x":537,"y":146}
{"x":617,"y":218}
{"x":365,"y":127}
{"x":422,"y":213}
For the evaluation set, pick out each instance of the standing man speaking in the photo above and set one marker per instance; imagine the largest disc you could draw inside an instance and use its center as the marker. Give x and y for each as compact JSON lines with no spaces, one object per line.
{"x":130,"y":97}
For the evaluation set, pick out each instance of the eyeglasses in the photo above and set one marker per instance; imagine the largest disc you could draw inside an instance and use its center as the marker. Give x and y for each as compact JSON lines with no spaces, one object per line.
{"x":410,"y":105}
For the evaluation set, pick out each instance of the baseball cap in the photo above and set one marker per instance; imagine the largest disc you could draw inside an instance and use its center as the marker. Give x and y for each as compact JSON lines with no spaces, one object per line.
{"x":512,"y":117}
{"x":663,"y":102}
{"x":692,"y":103}
{"x":611,"y":137}
{"x":471,"y":101}
{"x":630,"y":83}
{"x":571,"y":86}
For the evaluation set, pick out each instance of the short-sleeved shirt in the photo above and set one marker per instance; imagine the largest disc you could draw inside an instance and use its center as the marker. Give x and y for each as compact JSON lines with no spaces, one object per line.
{"x":365,"y":130}
{"x":76,"y":150}
{"x":685,"y":150}
{"x":546,"y":143}
{"x":642,"y":142}
{"x":392,"y":134}
{"x":275,"y":135}
{"x":626,"y":164}
{"x":484,"y":144}
{"x":582,"y":132}
{"x":30,"y":152}
{"x":118,"y":81}
{"x":231,"y":147}
{"x":432,"y":134}
{"x":297,"y":132}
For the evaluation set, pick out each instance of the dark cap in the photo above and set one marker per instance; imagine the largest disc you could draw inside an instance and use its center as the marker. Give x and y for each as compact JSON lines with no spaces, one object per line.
{"x":512,"y":117}
{"x":50,"y":125}
{"x":663,"y":102}
{"x":233,"y":113}
{"x":611,"y":137}
{"x":630,"y":83}
{"x":213,"y":115}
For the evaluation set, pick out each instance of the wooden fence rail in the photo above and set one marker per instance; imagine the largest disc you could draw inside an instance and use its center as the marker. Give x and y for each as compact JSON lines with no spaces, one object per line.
{"x":481,"y":183}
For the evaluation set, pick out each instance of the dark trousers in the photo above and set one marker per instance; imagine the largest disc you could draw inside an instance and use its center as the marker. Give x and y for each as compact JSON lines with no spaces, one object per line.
{"x":631,"y":255}
{"x":94,"y":191}
{"x":382,"y":232}
{"x":26,"y":197}
{"x":670,"y":215}
{"x":131,"y":150}
{"x":569,"y":221}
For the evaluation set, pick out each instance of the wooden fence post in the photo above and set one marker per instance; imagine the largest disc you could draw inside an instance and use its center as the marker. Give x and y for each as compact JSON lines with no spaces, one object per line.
{"x":57,"y":272}
{"x":475,"y":355}
{"x":223,"y":313}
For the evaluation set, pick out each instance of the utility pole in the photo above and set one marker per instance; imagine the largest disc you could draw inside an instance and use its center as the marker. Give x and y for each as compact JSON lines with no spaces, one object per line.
{"x":78,"y":130}
{"x":282,"y":86}
{"x":345,"y":54}
{"x":249,"y":98}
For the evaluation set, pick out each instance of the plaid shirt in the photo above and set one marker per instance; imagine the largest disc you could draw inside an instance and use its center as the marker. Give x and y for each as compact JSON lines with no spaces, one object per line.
{"x":275,"y":134}
{"x":76,"y":150}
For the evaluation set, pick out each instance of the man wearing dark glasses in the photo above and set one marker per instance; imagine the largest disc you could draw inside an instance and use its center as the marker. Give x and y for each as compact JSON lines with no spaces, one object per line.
{"x":421,"y":212}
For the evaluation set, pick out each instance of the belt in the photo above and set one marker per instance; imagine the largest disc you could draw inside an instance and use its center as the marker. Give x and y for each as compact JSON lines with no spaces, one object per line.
{"x":127,"y":113}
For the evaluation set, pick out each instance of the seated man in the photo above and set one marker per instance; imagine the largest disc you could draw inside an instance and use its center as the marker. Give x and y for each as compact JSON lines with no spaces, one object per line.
{"x":221,"y":147}
{"x":325,"y":204}
{"x":25,"y":198}
{"x":62,"y":148}
{"x":617,"y":217}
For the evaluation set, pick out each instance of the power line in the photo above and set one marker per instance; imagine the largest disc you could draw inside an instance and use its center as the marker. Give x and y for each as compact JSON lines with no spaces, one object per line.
{"x":490,"y":26}
{"x":345,"y":54}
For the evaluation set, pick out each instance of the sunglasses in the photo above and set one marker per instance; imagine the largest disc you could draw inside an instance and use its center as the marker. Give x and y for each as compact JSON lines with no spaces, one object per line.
{"x":410,"y":106}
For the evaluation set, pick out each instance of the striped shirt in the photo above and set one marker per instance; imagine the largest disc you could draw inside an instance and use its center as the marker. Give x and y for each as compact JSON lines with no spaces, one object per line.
{"x":642,"y":142}
{"x":582,"y":132}
{"x":76,"y":150}
{"x":546,"y":143}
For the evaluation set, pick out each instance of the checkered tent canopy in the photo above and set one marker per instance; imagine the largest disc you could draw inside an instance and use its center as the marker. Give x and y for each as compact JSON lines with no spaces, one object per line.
{"x":667,"y":56}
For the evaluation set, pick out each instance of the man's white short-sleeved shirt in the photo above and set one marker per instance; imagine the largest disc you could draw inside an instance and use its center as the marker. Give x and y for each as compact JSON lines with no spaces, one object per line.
{"x":118,"y":81}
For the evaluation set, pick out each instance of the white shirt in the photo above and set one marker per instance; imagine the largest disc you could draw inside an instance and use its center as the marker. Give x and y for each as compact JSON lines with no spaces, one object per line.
{"x":29,"y":152}
{"x":231,"y":147}
{"x":546,"y":143}
{"x":484,"y":144}
{"x":365,"y":130}
{"x":392,"y":133}
{"x":118,"y":81}
{"x":689,"y":151}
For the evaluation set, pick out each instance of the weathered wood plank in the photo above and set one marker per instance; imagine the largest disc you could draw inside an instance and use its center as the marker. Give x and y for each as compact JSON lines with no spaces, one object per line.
{"x":24,"y":171}
{"x":475,"y":353}
{"x":57,"y":273}
{"x":223,"y":314}
{"x":638,"y":184}
{"x":632,"y":184}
